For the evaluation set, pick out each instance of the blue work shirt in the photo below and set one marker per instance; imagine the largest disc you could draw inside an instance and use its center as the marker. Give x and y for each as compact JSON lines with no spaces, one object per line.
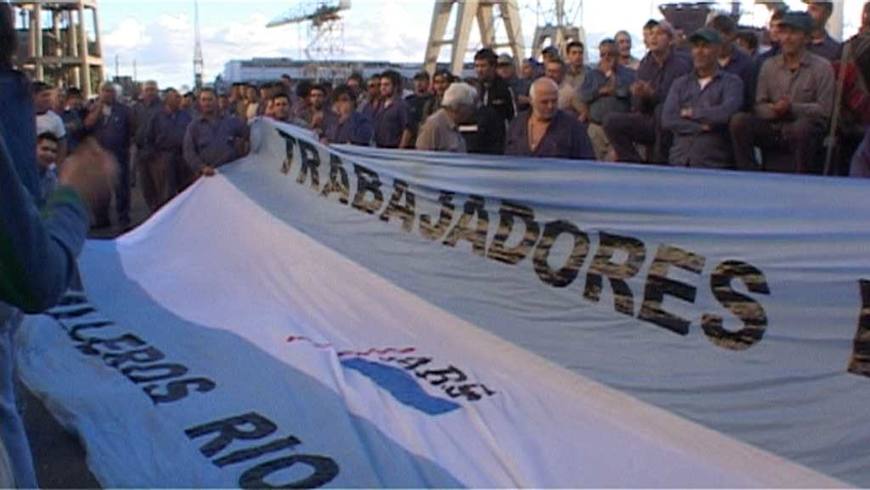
{"x":143,"y":114}
{"x":660,"y":76}
{"x":115,"y":132}
{"x":356,"y":130}
{"x":390,"y":122}
{"x":565,"y":138}
{"x":742,"y":65}
{"x":712,"y":106}
{"x":826,"y":47}
{"x":602,"y":105}
{"x":18,"y":125}
{"x":166,"y":131}
{"x":213,"y":141}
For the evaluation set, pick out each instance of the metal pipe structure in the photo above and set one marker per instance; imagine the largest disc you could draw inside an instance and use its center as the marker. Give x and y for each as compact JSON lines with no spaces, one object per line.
{"x":55,"y":42}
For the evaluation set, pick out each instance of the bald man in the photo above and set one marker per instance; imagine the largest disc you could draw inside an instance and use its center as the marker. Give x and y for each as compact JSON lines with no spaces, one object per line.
{"x":547,"y":131}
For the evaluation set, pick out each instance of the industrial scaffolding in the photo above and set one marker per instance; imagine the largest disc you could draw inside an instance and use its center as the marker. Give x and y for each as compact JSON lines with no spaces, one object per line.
{"x":59,"y":42}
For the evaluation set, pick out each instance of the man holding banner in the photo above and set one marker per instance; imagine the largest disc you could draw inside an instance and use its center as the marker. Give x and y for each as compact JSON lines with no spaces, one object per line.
{"x":37,"y":251}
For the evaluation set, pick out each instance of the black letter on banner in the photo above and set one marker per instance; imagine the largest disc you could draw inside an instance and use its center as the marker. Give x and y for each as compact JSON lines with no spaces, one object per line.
{"x":255,"y":452}
{"x":474,"y":208}
{"x":435,"y":232}
{"x":176,"y":390}
{"x":231,"y":429}
{"x":66,"y":313}
{"x":290,"y":143}
{"x":745,"y":308}
{"x":170,"y":371}
{"x":860,"y":362}
{"x":342,"y":186}
{"x":516,"y":254}
{"x":437,"y":377}
{"x":324,"y":471}
{"x":310,"y":164}
{"x":69,"y":298}
{"x":406,"y":213}
{"x":563,"y":277}
{"x":603,"y":265}
{"x":114,"y":344}
{"x":658,"y":284}
{"x":74,"y":331}
{"x":367,"y":181}
{"x":141,"y":356}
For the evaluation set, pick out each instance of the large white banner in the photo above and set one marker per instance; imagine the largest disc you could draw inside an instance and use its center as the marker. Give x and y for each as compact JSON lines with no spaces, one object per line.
{"x":351,"y":317}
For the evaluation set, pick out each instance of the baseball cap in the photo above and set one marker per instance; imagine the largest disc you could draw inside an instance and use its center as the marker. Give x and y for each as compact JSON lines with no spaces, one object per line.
{"x":706,"y":35}
{"x":505,"y":59}
{"x":797,"y":20}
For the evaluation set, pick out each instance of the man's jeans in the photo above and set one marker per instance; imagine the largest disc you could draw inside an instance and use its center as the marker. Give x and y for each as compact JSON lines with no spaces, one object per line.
{"x":12,"y":432}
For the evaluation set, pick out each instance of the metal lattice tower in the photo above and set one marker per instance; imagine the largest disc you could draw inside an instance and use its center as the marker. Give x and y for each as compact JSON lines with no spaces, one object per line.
{"x":558,"y":24}
{"x":198,"y":62}
{"x":488,"y":14}
{"x":325,"y":28}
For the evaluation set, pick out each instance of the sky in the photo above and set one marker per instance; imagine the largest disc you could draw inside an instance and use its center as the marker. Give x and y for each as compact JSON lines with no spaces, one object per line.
{"x":159,"y":36}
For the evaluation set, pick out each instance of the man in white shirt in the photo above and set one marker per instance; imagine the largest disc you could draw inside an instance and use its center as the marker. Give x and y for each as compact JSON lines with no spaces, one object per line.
{"x":47,"y":121}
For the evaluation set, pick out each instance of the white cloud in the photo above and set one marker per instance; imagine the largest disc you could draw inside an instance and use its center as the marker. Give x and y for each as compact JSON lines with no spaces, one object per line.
{"x":395,"y":30}
{"x":128,"y":35}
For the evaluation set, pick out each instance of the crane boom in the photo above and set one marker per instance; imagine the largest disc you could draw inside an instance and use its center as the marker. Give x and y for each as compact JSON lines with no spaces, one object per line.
{"x":326,"y":11}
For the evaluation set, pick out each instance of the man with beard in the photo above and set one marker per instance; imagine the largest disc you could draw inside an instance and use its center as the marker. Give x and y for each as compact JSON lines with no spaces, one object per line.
{"x":318,"y":115}
{"x":351,"y":127}
{"x":441,"y":81}
{"x":821,"y":43}
{"x":391,"y":118}
{"x":496,"y":105}
{"x":416,"y":103}
{"x":282,"y":110}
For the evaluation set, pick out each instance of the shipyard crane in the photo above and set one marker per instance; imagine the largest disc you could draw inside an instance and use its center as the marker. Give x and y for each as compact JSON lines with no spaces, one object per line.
{"x":325,"y":35}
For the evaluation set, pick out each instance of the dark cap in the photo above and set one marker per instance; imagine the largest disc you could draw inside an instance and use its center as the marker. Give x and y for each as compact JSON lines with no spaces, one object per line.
{"x":422,"y":75}
{"x":706,"y":35}
{"x":824,"y":3}
{"x":505,"y":59}
{"x":550,"y":50}
{"x":797,"y":20}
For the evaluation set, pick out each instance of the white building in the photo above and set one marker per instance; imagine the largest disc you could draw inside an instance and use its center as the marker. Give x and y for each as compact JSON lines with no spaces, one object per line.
{"x":271,"y":69}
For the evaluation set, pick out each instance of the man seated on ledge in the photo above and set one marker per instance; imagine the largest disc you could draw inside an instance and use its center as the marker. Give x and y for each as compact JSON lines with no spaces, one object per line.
{"x":700,"y":105}
{"x":793,"y":101}
{"x":546,"y":131}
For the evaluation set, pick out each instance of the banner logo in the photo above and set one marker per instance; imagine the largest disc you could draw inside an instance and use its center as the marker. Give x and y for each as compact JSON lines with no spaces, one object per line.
{"x":405,"y":375}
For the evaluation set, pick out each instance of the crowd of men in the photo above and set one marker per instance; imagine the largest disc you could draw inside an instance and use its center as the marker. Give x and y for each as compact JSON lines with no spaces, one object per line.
{"x":714,"y":98}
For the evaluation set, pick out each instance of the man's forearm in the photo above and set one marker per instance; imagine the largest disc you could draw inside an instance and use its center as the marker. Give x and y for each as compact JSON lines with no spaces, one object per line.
{"x":37,"y":253}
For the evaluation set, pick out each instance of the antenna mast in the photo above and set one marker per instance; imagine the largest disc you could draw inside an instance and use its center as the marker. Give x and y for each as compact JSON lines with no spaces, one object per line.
{"x":197,"y":49}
